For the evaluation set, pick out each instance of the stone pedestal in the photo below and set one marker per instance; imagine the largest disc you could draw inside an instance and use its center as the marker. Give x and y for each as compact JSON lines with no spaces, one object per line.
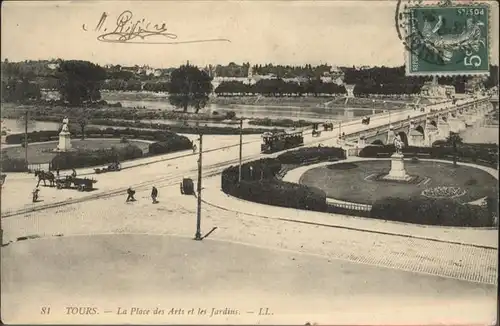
{"x":64,"y":142}
{"x":398,"y":172}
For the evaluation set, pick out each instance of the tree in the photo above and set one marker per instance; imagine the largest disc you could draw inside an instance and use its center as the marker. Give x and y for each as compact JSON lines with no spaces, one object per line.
{"x":80,"y":81}
{"x":454,"y":139}
{"x":189,"y":86}
{"x":20,"y":91}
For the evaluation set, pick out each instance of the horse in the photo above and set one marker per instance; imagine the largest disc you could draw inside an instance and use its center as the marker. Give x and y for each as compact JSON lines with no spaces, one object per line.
{"x":45,"y":176}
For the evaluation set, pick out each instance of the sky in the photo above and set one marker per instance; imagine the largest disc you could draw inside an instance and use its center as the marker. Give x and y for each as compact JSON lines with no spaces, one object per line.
{"x":342,"y":33}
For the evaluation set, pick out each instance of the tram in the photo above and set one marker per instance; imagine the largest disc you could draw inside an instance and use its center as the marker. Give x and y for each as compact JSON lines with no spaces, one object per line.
{"x":277,"y":141}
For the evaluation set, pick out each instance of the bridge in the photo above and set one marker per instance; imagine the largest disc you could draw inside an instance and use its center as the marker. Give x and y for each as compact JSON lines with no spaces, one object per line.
{"x":425,"y":126}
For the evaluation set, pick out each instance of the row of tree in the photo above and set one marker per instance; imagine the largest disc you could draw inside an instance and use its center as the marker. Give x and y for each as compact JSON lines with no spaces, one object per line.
{"x":279,"y":87}
{"x":19,"y":91}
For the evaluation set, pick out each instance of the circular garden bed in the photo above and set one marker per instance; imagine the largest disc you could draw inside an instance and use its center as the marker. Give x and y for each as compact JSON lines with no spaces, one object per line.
{"x":356,"y":182}
{"x":42,"y":152}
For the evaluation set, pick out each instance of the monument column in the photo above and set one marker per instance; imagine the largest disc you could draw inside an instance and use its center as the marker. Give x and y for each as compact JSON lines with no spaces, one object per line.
{"x":398,"y":171}
{"x":64,"y":138}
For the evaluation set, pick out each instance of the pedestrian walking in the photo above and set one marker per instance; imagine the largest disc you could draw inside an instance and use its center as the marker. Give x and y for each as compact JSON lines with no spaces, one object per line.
{"x":130,"y":194}
{"x":154,"y":194}
{"x":35,"y":194}
{"x":57,"y":173}
{"x":73,"y":174}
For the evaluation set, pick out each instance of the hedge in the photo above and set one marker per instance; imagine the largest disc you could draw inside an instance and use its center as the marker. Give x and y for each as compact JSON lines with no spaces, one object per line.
{"x":46,"y":135}
{"x":286,"y":123}
{"x":87,"y":158}
{"x":259,"y":185}
{"x":174,"y":143}
{"x":8,"y":164}
{"x":468,"y":153}
{"x":303,"y":155}
{"x":432,"y":212}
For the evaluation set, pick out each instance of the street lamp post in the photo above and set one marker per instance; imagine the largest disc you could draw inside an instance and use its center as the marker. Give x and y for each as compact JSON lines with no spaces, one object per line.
{"x":241,"y":149}
{"x":198,"y":211}
{"x":26,"y":139}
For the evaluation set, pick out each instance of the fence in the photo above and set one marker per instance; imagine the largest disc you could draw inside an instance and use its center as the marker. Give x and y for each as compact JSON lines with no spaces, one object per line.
{"x":353,"y":151}
{"x":351,"y":206}
{"x":39,"y":166}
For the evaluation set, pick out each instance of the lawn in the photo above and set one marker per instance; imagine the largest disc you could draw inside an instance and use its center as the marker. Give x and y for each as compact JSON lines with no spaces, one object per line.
{"x":346,"y":181}
{"x":40,"y":153}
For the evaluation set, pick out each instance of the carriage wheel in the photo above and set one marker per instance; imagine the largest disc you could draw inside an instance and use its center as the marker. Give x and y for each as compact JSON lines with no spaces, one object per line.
{"x":182,"y":189}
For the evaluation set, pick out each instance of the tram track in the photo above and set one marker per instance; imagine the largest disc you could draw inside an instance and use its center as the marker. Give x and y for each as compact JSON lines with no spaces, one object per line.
{"x":172,"y":179}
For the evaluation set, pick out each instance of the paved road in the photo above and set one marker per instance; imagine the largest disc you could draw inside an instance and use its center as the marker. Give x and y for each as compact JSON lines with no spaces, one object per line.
{"x":127,"y":271}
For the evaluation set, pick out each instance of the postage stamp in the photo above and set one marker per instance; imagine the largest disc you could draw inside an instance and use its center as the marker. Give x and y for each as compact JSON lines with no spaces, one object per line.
{"x":448,"y":40}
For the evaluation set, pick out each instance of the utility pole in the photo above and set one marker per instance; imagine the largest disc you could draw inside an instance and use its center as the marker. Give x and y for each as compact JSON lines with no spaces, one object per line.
{"x":26,"y":138}
{"x":241,"y":149}
{"x":198,"y":211}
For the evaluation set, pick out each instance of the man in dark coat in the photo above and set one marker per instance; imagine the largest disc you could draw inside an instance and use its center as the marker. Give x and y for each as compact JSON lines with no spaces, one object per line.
{"x":154,"y":194}
{"x":130,"y":193}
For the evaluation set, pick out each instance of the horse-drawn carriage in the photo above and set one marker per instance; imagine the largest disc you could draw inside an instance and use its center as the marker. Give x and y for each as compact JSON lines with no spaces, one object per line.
{"x":82,"y":184}
{"x":187,"y":186}
{"x":365,"y":121}
{"x":328,"y":126}
{"x":110,"y":168}
{"x":316,"y":133}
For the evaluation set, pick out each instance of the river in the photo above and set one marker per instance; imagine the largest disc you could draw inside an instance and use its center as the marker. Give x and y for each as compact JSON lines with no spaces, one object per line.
{"x":480,"y":133}
{"x":159,"y":101}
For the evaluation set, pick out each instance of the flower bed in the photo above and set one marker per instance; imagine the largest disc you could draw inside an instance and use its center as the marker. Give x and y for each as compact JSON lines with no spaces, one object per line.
{"x":443,"y":192}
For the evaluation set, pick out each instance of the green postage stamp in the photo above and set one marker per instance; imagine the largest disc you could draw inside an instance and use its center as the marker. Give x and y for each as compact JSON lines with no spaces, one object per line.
{"x":447,"y":41}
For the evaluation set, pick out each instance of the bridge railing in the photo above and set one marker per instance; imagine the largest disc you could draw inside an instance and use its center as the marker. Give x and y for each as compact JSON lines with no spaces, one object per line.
{"x":406,"y":120}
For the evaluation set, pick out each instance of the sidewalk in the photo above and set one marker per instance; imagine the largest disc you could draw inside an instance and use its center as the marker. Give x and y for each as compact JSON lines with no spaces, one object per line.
{"x":213,"y":195}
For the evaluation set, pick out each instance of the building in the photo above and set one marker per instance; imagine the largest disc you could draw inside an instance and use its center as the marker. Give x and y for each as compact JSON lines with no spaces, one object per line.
{"x":432,"y":90}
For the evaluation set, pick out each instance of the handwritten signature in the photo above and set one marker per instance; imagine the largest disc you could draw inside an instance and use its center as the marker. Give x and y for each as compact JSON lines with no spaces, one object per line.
{"x":137,"y":31}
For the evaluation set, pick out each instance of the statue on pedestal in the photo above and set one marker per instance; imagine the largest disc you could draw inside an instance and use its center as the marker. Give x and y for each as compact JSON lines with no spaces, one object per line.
{"x":399,"y":144}
{"x":64,"y":137}
{"x":65,"y":125}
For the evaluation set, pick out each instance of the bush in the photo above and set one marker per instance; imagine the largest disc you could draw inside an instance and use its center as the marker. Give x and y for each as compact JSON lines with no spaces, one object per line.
{"x":172,"y":144}
{"x":306,"y":154}
{"x":88,"y":158}
{"x":287,"y":123}
{"x":284,"y":194}
{"x":230,"y":115}
{"x":259,"y":185}
{"x":45,"y":135}
{"x":432,"y":212}
{"x":12,"y":164}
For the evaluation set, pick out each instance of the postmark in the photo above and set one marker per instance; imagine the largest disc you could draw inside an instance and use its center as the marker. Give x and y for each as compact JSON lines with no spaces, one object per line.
{"x":445,"y":40}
